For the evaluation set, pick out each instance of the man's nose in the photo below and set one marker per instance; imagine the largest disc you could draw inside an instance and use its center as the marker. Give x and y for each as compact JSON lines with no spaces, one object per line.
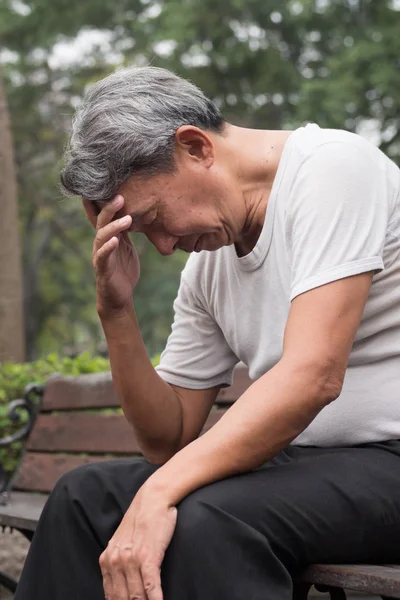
{"x":164,"y":243}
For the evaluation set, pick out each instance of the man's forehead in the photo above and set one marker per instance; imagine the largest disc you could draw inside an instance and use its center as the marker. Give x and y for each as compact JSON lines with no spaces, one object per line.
{"x":135,"y":211}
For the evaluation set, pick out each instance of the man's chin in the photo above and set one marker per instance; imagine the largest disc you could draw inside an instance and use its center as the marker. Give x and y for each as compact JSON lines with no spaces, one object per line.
{"x":209,"y":247}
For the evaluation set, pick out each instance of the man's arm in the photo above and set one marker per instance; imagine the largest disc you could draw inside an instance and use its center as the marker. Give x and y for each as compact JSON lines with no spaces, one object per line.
{"x":319,"y":334}
{"x":164,"y":417}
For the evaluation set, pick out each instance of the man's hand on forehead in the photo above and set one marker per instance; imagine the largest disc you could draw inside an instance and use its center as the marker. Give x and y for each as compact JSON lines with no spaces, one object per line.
{"x":101,"y":213}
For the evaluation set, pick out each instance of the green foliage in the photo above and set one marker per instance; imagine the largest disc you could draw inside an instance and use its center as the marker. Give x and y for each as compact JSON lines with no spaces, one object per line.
{"x":15,"y":377}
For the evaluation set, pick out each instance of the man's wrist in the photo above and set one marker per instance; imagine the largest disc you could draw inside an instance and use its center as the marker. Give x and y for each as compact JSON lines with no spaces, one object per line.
{"x":186,"y":471}
{"x":159,"y":486}
{"x":109,"y":315}
{"x":117,"y":324}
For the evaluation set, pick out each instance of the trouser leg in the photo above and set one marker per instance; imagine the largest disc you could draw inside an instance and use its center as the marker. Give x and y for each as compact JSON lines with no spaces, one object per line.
{"x":242,"y":537}
{"x":81,"y":515}
{"x":245,"y":536}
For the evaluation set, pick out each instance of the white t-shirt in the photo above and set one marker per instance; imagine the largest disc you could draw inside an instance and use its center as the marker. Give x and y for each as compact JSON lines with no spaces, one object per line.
{"x":334,"y":211}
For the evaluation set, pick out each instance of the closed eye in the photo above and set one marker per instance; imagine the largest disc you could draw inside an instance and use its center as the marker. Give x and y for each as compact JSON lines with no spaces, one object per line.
{"x":143,"y":221}
{"x":150,"y":218}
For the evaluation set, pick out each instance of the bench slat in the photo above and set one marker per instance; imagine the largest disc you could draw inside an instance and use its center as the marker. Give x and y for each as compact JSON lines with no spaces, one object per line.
{"x":23,"y":510}
{"x":383,"y":580}
{"x":40,"y":472}
{"x":95,"y":390}
{"x":93,"y":433}
{"x":84,"y":432}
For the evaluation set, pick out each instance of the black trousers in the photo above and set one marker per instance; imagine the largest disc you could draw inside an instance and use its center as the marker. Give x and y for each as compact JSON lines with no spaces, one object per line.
{"x":237,"y":539}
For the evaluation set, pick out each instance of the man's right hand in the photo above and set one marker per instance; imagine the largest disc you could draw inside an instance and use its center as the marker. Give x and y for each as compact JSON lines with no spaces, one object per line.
{"x":114,"y":258}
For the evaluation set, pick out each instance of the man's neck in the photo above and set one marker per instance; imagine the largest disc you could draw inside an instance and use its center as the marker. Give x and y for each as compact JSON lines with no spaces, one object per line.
{"x":255,"y":160}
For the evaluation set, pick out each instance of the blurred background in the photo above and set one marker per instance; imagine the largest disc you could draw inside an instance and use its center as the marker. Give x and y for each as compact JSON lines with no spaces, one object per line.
{"x":267,"y":63}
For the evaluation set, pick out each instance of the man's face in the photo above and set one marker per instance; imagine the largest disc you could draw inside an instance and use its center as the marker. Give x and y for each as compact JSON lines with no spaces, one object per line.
{"x":186,"y":209}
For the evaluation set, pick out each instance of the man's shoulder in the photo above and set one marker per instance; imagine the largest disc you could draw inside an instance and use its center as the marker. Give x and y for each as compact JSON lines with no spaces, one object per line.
{"x":312,"y":139}
{"x":332,"y":152}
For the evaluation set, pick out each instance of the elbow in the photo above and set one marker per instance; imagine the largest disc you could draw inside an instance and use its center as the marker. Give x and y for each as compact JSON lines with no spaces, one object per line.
{"x":330,"y":383}
{"x":158,"y":460}
{"x":325,"y":379}
{"x":330,"y":394}
{"x":158,"y":455}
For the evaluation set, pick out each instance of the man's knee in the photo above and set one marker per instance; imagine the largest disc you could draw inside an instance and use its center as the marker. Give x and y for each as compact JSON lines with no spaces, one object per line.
{"x":206,"y":513}
{"x":227,"y":511}
{"x":87,"y":484}
{"x":211,"y":521}
{"x":79,"y":485}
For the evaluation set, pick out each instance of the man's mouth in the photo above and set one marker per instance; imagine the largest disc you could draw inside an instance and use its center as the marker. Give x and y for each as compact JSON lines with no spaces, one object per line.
{"x":191,"y":248}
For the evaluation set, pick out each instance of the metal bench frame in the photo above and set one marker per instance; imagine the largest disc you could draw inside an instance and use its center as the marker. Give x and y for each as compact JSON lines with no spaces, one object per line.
{"x":6,"y":484}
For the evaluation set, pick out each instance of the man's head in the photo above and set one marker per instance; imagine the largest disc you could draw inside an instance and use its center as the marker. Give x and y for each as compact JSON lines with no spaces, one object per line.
{"x":156,"y":139}
{"x":127,"y":125}
{"x":135,"y":134}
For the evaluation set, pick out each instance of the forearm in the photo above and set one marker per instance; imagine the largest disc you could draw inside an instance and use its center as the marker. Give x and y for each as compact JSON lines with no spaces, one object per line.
{"x":149,"y":403}
{"x":265,"y":419}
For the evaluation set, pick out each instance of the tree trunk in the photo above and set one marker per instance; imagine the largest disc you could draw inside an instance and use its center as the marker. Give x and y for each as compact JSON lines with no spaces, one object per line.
{"x":11,"y":294}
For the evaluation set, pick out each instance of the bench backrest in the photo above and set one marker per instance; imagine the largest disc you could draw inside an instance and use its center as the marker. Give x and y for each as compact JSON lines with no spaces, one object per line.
{"x":70,"y":431}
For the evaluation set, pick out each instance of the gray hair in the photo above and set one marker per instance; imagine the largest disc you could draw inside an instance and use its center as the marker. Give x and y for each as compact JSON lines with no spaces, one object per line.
{"x":127,"y":124}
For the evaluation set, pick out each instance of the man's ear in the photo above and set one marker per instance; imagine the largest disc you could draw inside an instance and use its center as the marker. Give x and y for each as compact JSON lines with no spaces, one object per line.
{"x":194,"y":143}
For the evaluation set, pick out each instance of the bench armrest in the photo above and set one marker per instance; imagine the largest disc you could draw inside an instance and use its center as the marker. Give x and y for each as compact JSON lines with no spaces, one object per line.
{"x":14,"y":415}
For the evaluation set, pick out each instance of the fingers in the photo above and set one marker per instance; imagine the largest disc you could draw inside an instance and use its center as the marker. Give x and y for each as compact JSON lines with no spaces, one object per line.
{"x":101,"y":215}
{"x":152,"y":582}
{"x":134,"y":582}
{"x":114,"y":581}
{"x":104,"y":234}
{"x":115,"y":586}
{"x":109,"y":210}
{"x":107,"y":585}
{"x":106,"y":575}
{"x":123,"y":579}
{"x":107,"y":227}
{"x":101,"y":257}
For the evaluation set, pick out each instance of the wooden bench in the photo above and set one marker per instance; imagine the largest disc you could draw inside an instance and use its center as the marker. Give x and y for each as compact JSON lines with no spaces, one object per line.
{"x":67,"y":431}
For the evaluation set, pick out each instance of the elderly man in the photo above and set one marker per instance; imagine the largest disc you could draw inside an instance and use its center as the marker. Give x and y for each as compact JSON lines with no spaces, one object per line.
{"x":295,"y":270}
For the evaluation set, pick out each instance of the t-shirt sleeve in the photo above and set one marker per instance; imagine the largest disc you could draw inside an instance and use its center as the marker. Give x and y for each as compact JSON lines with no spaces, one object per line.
{"x":336,"y":217}
{"x":197,"y":355}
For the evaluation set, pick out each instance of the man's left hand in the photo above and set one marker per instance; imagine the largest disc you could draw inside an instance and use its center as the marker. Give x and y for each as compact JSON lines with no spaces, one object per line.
{"x":131,"y":563}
